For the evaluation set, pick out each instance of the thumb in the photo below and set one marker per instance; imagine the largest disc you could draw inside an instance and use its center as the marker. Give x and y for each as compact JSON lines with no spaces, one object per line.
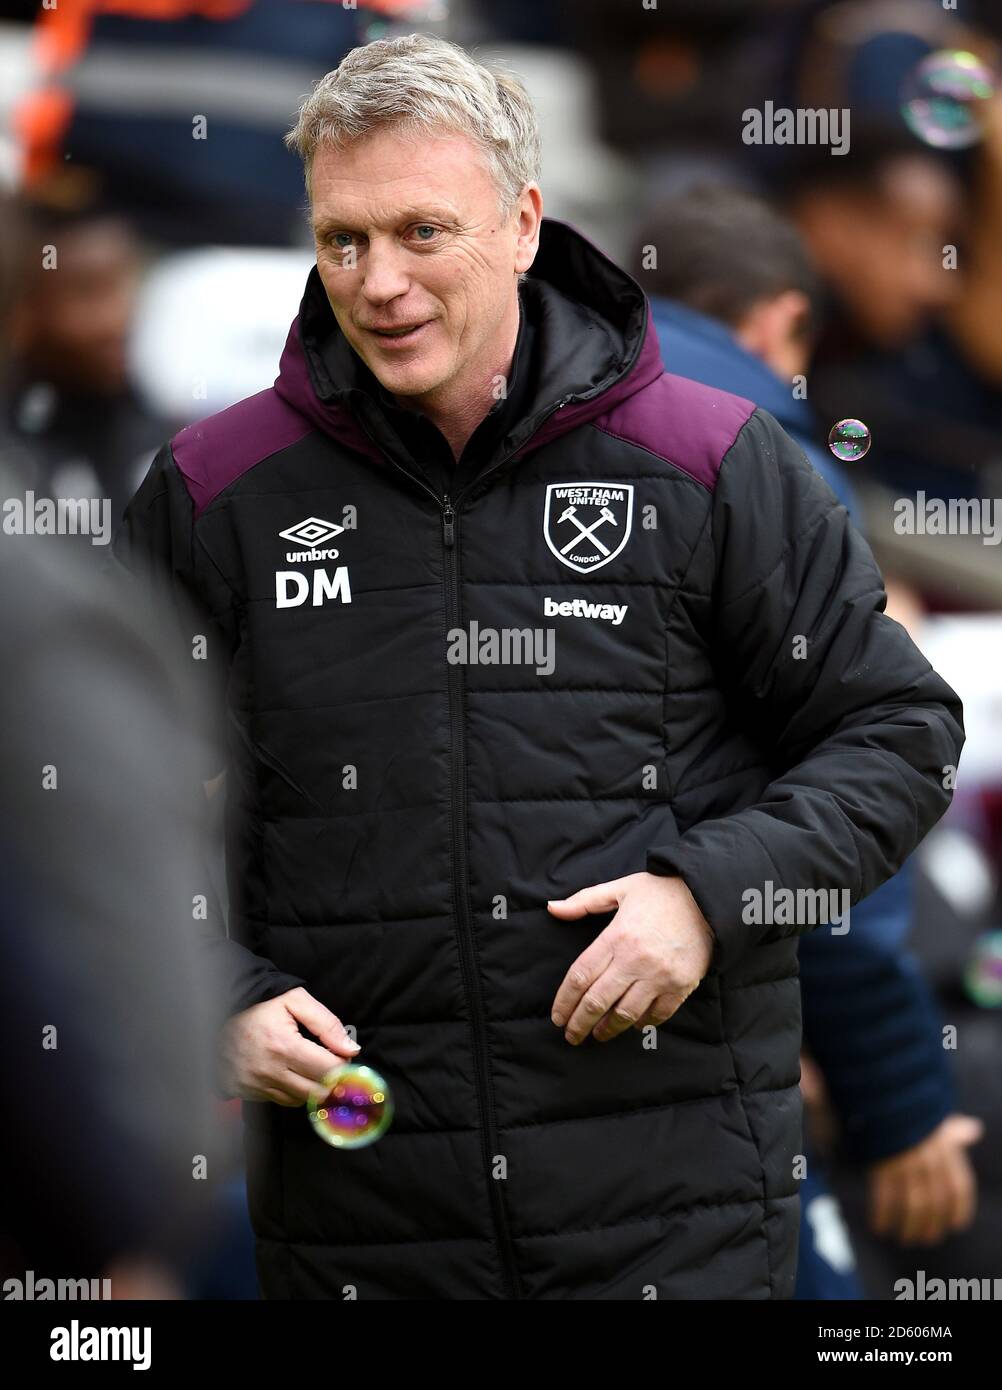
{"x":601,"y":897}
{"x":965,"y":1129}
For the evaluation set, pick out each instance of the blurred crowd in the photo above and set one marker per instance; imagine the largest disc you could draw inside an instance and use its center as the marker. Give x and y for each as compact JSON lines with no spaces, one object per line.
{"x":153,"y":247}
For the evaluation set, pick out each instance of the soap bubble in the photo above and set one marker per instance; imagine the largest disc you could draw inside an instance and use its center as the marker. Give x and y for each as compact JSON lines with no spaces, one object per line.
{"x":943,"y":99}
{"x":983,"y":975}
{"x":350,"y":1107}
{"x":849,"y":440}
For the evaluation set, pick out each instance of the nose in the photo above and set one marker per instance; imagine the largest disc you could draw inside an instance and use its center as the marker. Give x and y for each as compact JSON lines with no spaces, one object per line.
{"x":385,"y":277}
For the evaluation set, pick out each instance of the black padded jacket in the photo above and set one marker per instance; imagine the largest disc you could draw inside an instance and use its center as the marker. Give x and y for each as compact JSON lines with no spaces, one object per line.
{"x":726,"y":701}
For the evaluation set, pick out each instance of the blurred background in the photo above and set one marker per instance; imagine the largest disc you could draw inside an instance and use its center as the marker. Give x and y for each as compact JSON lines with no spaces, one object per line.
{"x":143,"y":140}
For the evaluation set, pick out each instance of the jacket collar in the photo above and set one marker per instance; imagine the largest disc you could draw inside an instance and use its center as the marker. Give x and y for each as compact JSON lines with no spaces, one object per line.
{"x":593,"y":346}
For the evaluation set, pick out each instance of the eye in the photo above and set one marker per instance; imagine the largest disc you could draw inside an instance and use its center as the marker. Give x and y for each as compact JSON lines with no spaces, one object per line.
{"x":342,"y":240}
{"x":425,"y":227}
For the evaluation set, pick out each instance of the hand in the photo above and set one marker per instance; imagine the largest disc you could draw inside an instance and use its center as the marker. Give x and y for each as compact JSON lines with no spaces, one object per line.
{"x":922,"y":1194}
{"x":645,"y":963}
{"x":263,"y":1055}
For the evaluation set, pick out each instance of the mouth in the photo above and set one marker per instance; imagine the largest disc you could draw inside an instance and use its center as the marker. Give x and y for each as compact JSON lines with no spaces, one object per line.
{"x":398,"y":337}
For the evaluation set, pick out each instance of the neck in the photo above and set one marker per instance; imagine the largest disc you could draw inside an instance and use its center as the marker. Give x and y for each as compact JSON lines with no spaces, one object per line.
{"x":465,"y":400}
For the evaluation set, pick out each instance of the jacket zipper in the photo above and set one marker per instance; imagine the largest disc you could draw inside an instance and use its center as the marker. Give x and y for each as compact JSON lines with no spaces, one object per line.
{"x":467,"y":940}
{"x":457,"y":821}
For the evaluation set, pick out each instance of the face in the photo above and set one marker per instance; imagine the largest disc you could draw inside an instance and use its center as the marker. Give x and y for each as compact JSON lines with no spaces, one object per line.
{"x":419,"y":267}
{"x":73,"y":327}
{"x":883,"y":252}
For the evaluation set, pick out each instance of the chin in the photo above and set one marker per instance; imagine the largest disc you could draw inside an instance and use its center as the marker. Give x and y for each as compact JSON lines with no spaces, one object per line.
{"x":404,"y":382}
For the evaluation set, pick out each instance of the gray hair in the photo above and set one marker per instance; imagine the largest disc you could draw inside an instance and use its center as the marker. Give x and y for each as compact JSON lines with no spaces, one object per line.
{"x":418,"y":82}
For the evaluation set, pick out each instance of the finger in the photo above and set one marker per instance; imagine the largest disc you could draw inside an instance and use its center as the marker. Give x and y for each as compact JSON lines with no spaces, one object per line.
{"x":276,"y":1096}
{"x":601,"y":897}
{"x":916,"y":1213}
{"x":940,"y":1202}
{"x":965,"y":1129}
{"x":949,"y":1191}
{"x":597,"y":1000}
{"x":966,"y":1193}
{"x":279,"y":1084}
{"x":661,"y":1010}
{"x":588,"y":967}
{"x":884,"y":1203}
{"x":296,"y":1087}
{"x":323,"y":1024}
{"x":290,"y":1089}
{"x":624,"y":1014}
{"x":307,"y":1059}
{"x":953,"y":1183}
{"x":934,"y":1219}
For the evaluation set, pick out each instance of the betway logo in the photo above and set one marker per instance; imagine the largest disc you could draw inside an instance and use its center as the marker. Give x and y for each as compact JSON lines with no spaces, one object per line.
{"x":580,"y":608}
{"x":292,"y":589}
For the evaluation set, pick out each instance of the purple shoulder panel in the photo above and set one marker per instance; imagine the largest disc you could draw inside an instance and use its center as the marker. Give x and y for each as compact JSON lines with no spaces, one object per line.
{"x":683,"y":422}
{"x":214,"y":452}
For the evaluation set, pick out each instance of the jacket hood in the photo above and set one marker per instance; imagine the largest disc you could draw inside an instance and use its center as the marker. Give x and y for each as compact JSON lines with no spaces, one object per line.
{"x":595,"y":346}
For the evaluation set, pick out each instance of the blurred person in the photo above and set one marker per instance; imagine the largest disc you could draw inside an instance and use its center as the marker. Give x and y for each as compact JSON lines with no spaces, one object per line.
{"x":910,"y":342}
{"x":69,"y":399}
{"x":179,"y":108}
{"x":735,"y":300}
{"x":947,"y":890}
{"x":859,"y":53}
{"x":975,"y":318}
{"x":876,"y":222}
{"x":106,"y":1010}
{"x":80,"y":428}
{"x":931,"y":391}
{"x":593,"y":1050}
{"x":105,"y":1019}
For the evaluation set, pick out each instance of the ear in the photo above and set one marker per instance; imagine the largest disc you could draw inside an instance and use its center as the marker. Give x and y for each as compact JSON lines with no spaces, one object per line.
{"x":772,"y":325}
{"x":528,"y":215}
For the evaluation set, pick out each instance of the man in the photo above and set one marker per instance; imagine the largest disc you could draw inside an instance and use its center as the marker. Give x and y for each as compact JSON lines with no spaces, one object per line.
{"x":70,"y":403}
{"x":735,"y":302}
{"x":518,"y":876}
{"x":104,"y":1000}
{"x":909,"y":266}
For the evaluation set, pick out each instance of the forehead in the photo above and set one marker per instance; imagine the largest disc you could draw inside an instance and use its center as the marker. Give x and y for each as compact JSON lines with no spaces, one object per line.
{"x":392,"y":173}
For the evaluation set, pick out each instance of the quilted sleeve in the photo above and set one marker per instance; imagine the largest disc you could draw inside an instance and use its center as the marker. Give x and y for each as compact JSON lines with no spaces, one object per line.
{"x":863,"y":733}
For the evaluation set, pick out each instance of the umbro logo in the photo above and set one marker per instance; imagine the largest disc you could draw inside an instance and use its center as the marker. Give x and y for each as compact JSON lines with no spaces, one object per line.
{"x":293,"y":588}
{"x":312,"y":532}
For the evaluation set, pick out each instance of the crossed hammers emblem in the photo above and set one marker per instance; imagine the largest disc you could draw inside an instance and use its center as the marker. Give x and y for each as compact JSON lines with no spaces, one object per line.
{"x":586,"y":532}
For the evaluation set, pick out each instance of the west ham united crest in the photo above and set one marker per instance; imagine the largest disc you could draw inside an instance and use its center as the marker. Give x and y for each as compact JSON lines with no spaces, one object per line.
{"x":587,"y":524}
